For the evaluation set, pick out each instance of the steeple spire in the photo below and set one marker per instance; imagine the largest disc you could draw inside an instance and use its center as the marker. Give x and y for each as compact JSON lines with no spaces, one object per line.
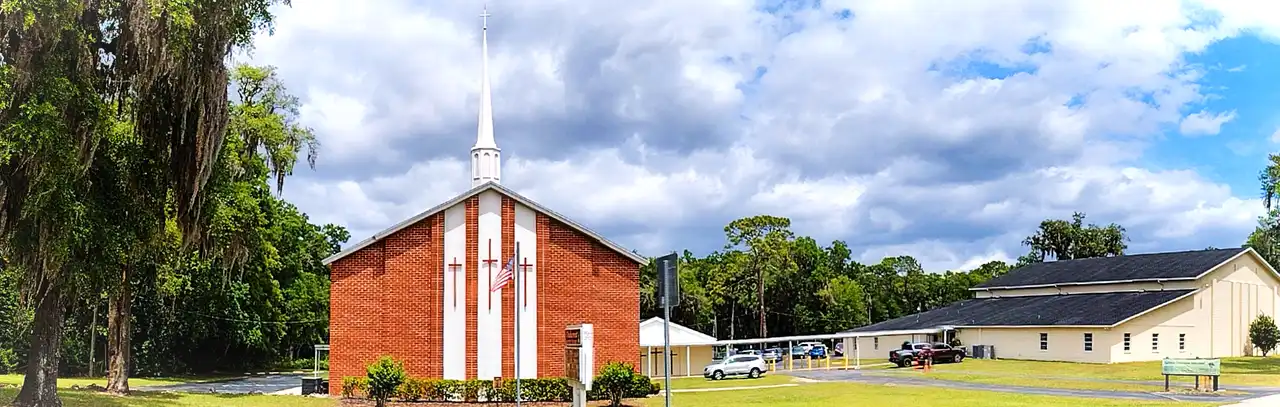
{"x":486,"y":163}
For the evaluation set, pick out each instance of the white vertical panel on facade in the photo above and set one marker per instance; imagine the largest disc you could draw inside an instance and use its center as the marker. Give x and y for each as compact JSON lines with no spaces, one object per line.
{"x":489,"y":305}
{"x":455,"y":293}
{"x":527,"y":289}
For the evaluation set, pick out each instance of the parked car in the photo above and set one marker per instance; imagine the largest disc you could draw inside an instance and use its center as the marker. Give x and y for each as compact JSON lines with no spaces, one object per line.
{"x":839,"y":350}
{"x":809,"y":345}
{"x":772,"y":354}
{"x":938,"y":352}
{"x":818,"y":352}
{"x":749,"y":352}
{"x":752,"y":366}
{"x":798,"y":352}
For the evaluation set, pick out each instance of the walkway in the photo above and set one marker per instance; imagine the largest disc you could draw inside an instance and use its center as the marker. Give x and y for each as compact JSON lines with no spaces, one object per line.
{"x":870,"y":377}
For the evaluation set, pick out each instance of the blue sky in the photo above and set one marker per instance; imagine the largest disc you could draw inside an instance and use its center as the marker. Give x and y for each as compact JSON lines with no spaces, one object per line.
{"x":941,"y":130}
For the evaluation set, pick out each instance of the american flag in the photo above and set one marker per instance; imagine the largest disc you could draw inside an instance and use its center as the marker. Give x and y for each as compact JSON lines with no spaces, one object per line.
{"x":508,"y":272}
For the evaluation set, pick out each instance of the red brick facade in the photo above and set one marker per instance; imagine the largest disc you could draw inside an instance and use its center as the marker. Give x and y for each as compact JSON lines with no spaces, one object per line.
{"x":387,"y":298}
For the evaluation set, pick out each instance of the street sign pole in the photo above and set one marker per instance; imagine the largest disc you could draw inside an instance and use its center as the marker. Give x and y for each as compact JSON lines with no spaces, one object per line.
{"x":669,"y":296}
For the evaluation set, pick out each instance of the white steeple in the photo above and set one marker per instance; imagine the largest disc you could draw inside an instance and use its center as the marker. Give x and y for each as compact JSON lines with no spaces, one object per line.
{"x":486,"y":159}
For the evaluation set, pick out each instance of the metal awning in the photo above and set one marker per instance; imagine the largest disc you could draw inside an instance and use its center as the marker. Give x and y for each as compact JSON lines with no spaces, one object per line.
{"x":841,"y":335}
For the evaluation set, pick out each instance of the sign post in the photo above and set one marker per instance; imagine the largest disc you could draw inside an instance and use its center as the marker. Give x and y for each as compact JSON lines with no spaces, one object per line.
{"x":1191,"y":367}
{"x":579,"y":352}
{"x":668,"y":296}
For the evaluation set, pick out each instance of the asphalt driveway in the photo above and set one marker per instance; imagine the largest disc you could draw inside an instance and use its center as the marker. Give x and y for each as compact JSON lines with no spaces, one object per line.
{"x":265,"y":384}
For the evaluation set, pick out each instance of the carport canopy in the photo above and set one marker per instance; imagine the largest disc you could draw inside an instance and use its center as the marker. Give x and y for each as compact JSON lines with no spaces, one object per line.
{"x":835,"y":336}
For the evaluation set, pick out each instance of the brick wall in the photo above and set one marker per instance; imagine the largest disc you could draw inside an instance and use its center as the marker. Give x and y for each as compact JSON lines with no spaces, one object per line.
{"x":508,"y":293}
{"x":581,"y":281}
{"x":385,"y":299}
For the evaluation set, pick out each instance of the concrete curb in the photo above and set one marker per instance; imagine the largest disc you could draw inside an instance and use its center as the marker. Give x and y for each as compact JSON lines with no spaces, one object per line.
{"x":1272,"y":400}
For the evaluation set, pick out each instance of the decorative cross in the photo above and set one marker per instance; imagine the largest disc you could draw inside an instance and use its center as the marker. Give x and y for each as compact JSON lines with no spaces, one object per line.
{"x":525,"y":280}
{"x":454,"y":268}
{"x":485,"y":16}
{"x":490,"y":262}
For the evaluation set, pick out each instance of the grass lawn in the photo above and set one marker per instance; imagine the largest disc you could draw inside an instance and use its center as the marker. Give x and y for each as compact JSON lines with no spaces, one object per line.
{"x":1057,"y":383}
{"x":864,"y":395}
{"x":1255,"y":371}
{"x":72,"y":398}
{"x":808,"y":395}
{"x":701,"y":383}
{"x":67,"y":382}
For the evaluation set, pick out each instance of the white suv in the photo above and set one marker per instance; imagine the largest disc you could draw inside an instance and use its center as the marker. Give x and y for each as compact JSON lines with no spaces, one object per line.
{"x":750,"y":365}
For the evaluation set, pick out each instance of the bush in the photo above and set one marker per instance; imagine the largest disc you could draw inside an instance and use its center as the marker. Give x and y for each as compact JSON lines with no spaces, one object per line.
{"x":413,"y":389}
{"x":354,"y":387}
{"x":8,"y":361}
{"x":615,"y":376}
{"x":1264,"y":334}
{"x":618,"y":380}
{"x":385,"y":377}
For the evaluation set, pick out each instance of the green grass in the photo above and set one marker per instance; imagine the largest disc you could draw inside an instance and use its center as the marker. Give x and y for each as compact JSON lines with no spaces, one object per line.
{"x":1249,"y":371}
{"x":864,"y":395}
{"x":685,"y":383}
{"x":808,"y":395}
{"x":1059,"y":383}
{"x":134,"y":382}
{"x":73,"y":398}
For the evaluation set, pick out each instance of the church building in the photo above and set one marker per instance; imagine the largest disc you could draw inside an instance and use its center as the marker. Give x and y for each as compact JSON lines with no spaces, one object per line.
{"x":423,"y":291}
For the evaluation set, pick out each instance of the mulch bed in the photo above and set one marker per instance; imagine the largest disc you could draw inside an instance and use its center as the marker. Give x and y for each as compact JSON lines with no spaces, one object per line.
{"x":365,"y":403}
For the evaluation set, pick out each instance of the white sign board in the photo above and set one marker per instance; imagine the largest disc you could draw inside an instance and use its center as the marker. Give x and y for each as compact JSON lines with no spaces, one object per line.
{"x":579,"y":354}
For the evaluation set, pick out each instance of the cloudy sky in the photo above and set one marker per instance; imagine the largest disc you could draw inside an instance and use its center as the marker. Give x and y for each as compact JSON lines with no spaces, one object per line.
{"x":939,"y":129}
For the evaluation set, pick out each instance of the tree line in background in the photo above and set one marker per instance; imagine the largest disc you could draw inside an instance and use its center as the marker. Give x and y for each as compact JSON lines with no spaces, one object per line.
{"x":769,"y":282}
{"x":137,"y":214}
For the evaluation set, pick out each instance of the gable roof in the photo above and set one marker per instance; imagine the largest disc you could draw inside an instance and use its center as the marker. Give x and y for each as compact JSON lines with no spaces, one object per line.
{"x":651,"y":334}
{"x":1186,"y":265}
{"x":1093,"y":309}
{"x":476,"y":191}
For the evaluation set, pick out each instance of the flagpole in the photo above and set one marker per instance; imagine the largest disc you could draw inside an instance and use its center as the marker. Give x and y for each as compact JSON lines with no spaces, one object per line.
{"x":515,"y":276}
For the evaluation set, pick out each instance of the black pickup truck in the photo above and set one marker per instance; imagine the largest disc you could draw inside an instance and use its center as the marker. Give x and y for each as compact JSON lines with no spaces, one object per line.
{"x":939,"y":352}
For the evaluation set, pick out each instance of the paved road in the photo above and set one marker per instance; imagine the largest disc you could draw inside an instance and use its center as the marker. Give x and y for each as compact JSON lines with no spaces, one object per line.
{"x":263,"y":384}
{"x":885,"y":379}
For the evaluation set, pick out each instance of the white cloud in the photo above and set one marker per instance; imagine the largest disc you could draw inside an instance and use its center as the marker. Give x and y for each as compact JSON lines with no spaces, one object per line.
{"x":943,"y":131}
{"x":1204,"y":123}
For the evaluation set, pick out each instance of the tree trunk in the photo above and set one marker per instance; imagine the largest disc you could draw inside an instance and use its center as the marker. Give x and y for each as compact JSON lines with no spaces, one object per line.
{"x":93,"y":336}
{"x":119,"y":336}
{"x":40,"y":387}
{"x":764,"y":332}
{"x":733,"y":313}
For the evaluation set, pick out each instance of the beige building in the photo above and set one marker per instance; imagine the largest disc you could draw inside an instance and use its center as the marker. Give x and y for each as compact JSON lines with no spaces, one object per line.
{"x":1193,"y":304}
{"x":690,"y":350}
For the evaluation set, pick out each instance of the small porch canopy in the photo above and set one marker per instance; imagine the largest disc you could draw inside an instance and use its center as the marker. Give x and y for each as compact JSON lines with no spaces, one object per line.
{"x":651,"y":340}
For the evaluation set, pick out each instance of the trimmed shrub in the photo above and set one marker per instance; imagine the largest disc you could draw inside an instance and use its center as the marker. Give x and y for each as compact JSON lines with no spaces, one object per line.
{"x":354,"y":387}
{"x":618,"y":380}
{"x":385,"y":377}
{"x":619,"y":377}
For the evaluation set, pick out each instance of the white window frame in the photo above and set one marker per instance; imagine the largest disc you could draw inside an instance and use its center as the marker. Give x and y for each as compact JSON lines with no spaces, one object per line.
{"x":1155,"y":342}
{"x":1044,"y":341}
{"x":1128,"y":339}
{"x":1088,"y":342}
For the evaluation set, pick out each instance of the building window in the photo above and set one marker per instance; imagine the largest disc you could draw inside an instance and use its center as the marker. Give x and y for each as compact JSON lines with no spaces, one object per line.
{"x":1126,"y":342}
{"x":1182,"y":342}
{"x":875,"y":342}
{"x":1044,"y":341}
{"x":1155,"y":343}
{"x":1088,"y":342}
